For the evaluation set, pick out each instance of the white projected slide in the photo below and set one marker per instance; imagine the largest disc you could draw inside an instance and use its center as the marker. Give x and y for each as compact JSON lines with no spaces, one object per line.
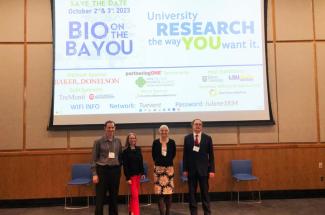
{"x":147,"y":61}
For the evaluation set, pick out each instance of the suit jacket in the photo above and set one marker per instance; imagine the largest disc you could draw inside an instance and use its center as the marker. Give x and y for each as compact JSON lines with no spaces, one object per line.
{"x":201,"y":162}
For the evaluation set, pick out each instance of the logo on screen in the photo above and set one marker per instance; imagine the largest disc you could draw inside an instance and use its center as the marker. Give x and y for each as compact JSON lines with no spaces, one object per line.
{"x":140,"y":82}
{"x":100,"y":96}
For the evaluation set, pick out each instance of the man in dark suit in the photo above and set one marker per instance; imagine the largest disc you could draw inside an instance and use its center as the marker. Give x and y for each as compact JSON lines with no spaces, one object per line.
{"x":198,"y":164}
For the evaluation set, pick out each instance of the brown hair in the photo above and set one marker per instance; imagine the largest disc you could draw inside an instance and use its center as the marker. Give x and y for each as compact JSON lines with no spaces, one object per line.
{"x":127,"y":143}
{"x":192,"y":123}
{"x":109,"y":121}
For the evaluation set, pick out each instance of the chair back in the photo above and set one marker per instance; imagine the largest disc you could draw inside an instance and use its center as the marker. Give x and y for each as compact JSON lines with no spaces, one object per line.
{"x":181,"y":167}
{"x":81,"y":171}
{"x":241,"y":167}
{"x":145,"y":172}
{"x":181,"y":170}
{"x":145,"y":169}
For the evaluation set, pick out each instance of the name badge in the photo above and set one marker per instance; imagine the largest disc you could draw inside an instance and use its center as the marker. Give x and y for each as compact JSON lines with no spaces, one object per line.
{"x":196,"y":148}
{"x":164,"y":153}
{"x":111,"y":155}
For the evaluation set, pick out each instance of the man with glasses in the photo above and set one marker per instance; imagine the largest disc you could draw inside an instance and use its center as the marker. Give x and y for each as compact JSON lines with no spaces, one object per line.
{"x":198,"y":161}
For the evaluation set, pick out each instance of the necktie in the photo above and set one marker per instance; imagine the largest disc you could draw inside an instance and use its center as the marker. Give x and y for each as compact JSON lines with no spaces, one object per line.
{"x":196,"y":141}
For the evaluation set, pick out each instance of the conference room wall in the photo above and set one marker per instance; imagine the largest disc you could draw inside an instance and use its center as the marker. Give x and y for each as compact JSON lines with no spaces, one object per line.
{"x":292,"y":147}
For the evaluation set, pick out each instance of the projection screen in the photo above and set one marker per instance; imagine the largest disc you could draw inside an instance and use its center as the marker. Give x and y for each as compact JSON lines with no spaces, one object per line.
{"x":141,"y":62}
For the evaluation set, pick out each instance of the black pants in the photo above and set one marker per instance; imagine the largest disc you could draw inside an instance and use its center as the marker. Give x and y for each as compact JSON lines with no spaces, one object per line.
{"x":204,"y":188}
{"x":109,"y":180}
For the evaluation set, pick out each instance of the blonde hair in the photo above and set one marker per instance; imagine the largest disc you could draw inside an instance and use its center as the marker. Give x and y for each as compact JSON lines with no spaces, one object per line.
{"x":162,"y":127}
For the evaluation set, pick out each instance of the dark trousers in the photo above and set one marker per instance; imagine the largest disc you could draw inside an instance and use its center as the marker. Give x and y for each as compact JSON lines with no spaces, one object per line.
{"x":109,"y":180}
{"x":204,"y":188}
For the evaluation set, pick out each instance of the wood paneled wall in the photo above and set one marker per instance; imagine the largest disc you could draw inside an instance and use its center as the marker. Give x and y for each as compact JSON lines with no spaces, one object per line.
{"x":287,"y":167}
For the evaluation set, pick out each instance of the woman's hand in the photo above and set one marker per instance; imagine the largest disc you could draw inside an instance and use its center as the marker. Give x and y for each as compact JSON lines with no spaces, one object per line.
{"x":211,"y":174}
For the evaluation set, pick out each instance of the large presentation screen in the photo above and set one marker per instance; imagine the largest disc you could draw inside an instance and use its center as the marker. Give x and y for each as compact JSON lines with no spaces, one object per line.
{"x":149,"y":61}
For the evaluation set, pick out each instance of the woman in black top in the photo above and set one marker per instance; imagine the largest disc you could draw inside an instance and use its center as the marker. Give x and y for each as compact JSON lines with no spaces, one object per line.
{"x":163,"y":154}
{"x":133,"y":170}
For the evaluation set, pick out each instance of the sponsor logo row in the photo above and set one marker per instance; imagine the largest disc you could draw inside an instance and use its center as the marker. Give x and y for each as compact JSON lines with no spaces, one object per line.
{"x":91,"y":96}
{"x":142,"y":81}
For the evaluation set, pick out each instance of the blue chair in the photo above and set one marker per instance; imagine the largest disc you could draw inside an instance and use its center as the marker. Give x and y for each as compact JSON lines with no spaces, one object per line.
{"x":81,"y":175}
{"x":242,"y":171}
{"x":183,"y":178}
{"x":145,"y":180}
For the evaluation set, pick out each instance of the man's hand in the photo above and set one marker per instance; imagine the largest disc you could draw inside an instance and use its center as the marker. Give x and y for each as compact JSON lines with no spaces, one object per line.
{"x":95,"y":179}
{"x":185,"y":173}
{"x":211,"y":174}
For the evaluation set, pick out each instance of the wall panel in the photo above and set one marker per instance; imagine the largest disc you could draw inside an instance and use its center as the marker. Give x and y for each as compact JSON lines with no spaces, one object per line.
{"x":33,"y":176}
{"x":223,"y":135}
{"x":39,"y":95}
{"x":294,"y":19}
{"x":264,"y":134}
{"x":12,"y":21}
{"x":39,"y":21}
{"x":319,"y":8}
{"x":296,"y":92}
{"x":12,"y":94}
{"x":82,"y":139}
